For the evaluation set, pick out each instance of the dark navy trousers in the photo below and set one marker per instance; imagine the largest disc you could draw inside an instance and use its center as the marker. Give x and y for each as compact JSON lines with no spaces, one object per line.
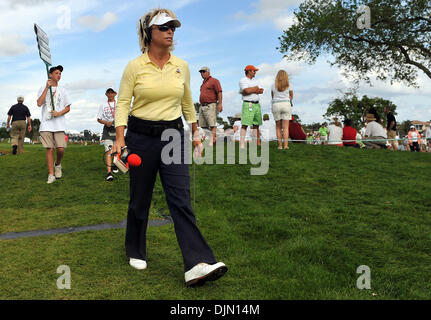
{"x":175,"y":180}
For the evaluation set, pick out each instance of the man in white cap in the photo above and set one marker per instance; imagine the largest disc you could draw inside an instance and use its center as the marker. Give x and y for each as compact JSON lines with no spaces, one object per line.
{"x":53,"y":121}
{"x":18,"y":113}
{"x":211,"y":102}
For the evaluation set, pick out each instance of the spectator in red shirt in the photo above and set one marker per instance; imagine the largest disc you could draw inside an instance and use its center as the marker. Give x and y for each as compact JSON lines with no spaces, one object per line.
{"x":296,"y":132}
{"x":349,"y":133}
{"x":211,"y":102}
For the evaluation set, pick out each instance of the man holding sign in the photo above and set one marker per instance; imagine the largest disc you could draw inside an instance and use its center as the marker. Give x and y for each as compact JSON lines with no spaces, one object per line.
{"x":53,"y":121}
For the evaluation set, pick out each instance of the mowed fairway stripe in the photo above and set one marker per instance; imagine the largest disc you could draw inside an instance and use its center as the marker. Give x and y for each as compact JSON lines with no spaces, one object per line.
{"x":49,"y":232}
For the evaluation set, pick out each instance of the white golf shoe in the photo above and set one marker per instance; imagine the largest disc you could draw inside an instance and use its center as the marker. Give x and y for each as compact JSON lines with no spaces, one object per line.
{"x":57,"y":171}
{"x":138,"y":263}
{"x":203,"y":272}
{"x":51,"y":179}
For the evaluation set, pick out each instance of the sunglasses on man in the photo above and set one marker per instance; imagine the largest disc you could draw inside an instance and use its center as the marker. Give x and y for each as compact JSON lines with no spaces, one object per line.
{"x":166,"y":28}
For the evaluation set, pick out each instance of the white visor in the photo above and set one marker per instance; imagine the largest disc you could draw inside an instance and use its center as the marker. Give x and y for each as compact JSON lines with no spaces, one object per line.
{"x":162,"y":18}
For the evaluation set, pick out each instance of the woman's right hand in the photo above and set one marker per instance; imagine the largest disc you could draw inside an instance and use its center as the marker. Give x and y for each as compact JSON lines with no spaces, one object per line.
{"x":118,"y":144}
{"x":119,"y":140}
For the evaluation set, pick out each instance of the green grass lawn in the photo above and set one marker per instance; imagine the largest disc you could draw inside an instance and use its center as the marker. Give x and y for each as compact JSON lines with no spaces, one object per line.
{"x":298,"y":232}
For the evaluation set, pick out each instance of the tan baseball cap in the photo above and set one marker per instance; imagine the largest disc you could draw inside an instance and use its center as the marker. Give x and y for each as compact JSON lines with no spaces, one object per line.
{"x":204,"y":69}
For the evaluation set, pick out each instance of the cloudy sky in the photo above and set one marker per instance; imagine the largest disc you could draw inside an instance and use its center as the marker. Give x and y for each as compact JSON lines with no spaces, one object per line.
{"x":95,"y":39}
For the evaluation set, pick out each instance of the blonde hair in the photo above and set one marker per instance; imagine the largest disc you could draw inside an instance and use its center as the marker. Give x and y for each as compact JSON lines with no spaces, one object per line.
{"x":144,"y":32}
{"x":281,"y":81}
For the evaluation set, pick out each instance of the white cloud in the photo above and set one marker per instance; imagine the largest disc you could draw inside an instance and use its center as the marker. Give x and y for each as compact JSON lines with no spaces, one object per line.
{"x":277,"y":11}
{"x":87,"y":84}
{"x":12,"y":45}
{"x":178,"y":4}
{"x":98,"y":24}
{"x":26,"y":3}
{"x":285,"y":22}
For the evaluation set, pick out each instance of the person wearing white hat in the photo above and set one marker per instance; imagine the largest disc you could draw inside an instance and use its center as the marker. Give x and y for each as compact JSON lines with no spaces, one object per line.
{"x":414,"y":139}
{"x":159,"y":84}
{"x":18,"y":113}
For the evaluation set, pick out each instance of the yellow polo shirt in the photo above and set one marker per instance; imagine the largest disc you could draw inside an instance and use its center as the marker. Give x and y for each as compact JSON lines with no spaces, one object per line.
{"x":159,"y":94}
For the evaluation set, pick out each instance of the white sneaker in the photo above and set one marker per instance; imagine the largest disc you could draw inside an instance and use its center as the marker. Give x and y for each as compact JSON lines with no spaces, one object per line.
{"x":57,"y":171}
{"x":51,"y":179}
{"x":204,"y":272}
{"x":138,"y":263}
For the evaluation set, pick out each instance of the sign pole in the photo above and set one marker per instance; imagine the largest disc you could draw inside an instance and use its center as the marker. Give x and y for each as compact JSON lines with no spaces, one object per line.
{"x":50,"y":90}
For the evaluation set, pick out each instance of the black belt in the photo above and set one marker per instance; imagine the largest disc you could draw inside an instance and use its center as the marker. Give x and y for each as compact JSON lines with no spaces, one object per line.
{"x":207,"y":104}
{"x":152,"y":128}
{"x":254,"y":102}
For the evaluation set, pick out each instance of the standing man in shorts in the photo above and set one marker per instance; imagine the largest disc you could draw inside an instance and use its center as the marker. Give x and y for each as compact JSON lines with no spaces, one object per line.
{"x":106,"y":117}
{"x":53,"y":122}
{"x":211,"y":102}
{"x":251,"y":113}
{"x":391,"y":127}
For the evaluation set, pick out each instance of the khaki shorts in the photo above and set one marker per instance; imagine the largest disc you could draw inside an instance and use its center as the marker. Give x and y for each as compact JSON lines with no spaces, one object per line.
{"x":208,"y":116}
{"x":392,"y":134}
{"x":108,"y":144}
{"x":52,"y":140}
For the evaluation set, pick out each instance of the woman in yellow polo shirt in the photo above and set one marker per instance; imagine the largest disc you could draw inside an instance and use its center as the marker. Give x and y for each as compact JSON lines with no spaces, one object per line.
{"x":159,"y":82}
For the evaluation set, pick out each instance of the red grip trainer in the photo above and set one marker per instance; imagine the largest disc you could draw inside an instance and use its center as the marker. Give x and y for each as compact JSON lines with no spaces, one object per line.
{"x":134,"y":160}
